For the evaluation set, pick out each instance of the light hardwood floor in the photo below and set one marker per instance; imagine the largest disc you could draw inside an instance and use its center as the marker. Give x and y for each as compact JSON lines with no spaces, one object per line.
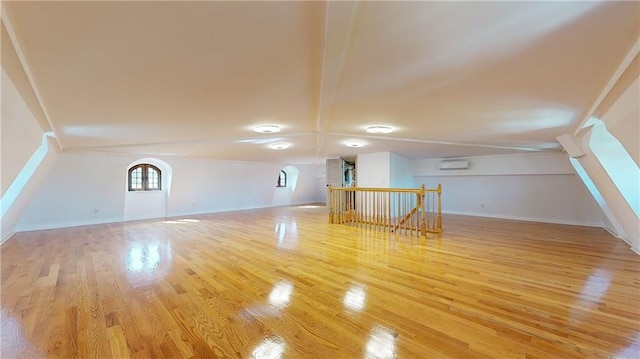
{"x":284,"y":283}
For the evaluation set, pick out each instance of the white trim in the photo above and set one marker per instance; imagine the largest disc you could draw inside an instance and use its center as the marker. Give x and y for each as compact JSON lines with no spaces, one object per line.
{"x":326,"y":100}
{"x":167,"y":158}
{"x":6,"y":238}
{"x":459,"y":173}
{"x":635,"y":49}
{"x":497,"y":165}
{"x":27,"y":71}
{"x":546,"y":153}
{"x":543,"y":220}
{"x":527,"y":219}
{"x":44,"y":226}
{"x":623,"y":237}
{"x":178,"y":142}
{"x":174,"y":215}
{"x":611,"y":231}
{"x":442,"y":142}
{"x":41,"y":227}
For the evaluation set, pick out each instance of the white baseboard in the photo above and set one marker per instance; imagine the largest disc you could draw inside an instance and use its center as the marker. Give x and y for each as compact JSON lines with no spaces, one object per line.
{"x":200,"y":213}
{"x":623,"y":237}
{"x":528,"y":219}
{"x":40,"y":227}
{"x":6,"y":237}
{"x":611,"y":231}
{"x":545,"y":220}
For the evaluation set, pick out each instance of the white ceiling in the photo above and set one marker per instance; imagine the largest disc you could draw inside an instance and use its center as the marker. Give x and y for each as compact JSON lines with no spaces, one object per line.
{"x":193,"y":78}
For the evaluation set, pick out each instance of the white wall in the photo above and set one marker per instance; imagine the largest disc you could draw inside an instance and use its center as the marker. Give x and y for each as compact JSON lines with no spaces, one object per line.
{"x":90,"y":188}
{"x":517,"y":164}
{"x":283,"y":196}
{"x":607,"y":155}
{"x":535,"y":187}
{"x":373,"y":170}
{"x":26,"y":157}
{"x":401,"y":175}
{"x":314,"y":186}
{"x":148,"y":204}
{"x":623,"y":120}
{"x":608,"y":166}
{"x":80,"y":189}
{"x":384,"y":170}
{"x":20,"y":133}
{"x":28,"y":181}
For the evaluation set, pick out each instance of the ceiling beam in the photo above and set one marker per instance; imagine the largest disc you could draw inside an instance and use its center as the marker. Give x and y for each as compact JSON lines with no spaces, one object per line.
{"x":276,"y":137}
{"x":633,"y":52}
{"x":338,"y":25}
{"x":25,"y":67}
{"x":450,"y":143}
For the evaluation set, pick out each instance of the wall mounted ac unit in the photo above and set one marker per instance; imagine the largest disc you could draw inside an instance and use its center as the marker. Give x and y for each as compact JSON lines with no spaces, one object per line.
{"x":453,"y":165}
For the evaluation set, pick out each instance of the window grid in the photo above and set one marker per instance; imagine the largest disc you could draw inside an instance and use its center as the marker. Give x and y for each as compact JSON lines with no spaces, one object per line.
{"x":136,"y":179}
{"x":152,"y":179}
{"x":145,"y":177}
{"x":282,"y":179}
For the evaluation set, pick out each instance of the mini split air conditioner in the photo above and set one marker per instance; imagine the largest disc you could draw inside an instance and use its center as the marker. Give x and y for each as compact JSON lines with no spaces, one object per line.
{"x":454,"y":165}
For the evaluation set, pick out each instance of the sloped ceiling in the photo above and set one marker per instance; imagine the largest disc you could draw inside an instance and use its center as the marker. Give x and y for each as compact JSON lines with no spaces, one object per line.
{"x":194,"y":78}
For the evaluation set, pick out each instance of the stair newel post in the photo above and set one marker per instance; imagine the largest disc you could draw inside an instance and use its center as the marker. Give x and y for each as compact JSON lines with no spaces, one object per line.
{"x":423,"y":223}
{"x":439,"y":208}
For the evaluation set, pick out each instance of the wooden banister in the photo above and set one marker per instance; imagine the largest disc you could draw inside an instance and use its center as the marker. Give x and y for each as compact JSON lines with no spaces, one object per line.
{"x":412,"y":210}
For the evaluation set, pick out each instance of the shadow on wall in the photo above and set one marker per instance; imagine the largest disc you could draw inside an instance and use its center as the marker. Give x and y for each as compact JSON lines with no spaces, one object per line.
{"x":147,"y":204}
{"x":283,"y":196}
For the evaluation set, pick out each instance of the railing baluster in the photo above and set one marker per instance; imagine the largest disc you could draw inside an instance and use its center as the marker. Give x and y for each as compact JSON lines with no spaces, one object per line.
{"x":408,"y":211}
{"x":407,"y":203}
{"x":368,"y":211}
{"x":434,"y":210}
{"x":388,"y":221}
{"x":414,"y":222}
{"x":429,"y":210}
{"x":372,"y":210}
{"x":402,"y":210}
{"x":377,"y":194}
{"x":397,"y":212}
{"x":372,"y":225}
{"x":357,"y":196}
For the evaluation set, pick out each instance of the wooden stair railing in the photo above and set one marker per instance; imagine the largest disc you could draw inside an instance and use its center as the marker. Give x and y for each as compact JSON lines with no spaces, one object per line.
{"x":412,"y":210}
{"x":405,"y":219}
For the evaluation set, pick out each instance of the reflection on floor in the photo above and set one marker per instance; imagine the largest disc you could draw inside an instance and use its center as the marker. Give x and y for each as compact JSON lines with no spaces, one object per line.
{"x":283,"y":283}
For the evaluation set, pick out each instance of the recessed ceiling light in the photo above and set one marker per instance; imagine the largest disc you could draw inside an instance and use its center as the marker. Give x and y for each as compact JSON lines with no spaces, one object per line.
{"x":279,"y":146}
{"x":267,"y":128}
{"x":379,"y":129}
{"x":354,"y":143}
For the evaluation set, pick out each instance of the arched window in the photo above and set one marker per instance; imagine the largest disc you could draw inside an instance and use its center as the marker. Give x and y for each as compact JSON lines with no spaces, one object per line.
{"x":145,"y":177}
{"x":282,"y":179}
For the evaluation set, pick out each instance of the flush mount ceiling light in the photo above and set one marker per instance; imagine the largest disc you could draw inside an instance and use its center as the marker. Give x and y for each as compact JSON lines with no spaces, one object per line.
{"x":379,"y":129}
{"x":354,"y":143}
{"x":267,"y":128}
{"x":279,"y":146}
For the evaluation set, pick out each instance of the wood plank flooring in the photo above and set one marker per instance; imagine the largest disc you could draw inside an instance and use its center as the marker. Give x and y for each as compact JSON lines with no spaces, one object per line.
{"x":283,"y":283}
